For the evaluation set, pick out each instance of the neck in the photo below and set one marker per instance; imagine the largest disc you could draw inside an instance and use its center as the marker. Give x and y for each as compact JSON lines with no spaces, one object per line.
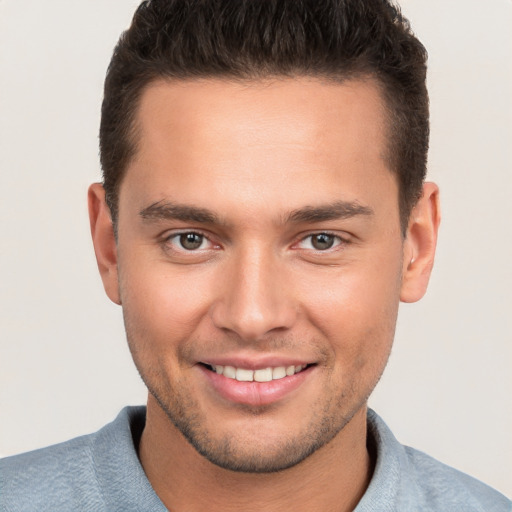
{"x":334,"y":478}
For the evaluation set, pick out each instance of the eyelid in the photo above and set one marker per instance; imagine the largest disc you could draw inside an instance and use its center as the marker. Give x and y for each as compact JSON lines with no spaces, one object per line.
{"x":342,"y":240}
{"x":165,"y":239}
{"x":168,"y":236}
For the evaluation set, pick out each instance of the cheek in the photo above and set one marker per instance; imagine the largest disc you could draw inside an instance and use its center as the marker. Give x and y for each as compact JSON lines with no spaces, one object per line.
{"x":161,"y":302}
{"x":355,"y":307}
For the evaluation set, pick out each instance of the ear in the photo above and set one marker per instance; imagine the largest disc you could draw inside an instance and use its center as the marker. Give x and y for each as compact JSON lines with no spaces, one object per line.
{"x":420,"y":244}
{"x":104,"y":241}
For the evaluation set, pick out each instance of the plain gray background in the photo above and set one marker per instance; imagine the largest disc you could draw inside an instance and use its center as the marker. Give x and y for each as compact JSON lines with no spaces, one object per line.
{"x":64,"y":366}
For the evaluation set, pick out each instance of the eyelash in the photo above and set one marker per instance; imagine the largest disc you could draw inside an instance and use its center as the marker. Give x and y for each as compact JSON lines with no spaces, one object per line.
{"x":338,"y":241}
{"x":168,"y":240}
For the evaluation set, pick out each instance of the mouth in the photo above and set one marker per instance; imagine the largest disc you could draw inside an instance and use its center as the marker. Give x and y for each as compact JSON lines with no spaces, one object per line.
{"x":256,"y":386}
{"x":261,"y":375}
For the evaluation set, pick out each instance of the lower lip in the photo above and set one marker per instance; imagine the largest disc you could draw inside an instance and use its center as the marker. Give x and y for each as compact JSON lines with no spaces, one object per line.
{"x":255,"y":393}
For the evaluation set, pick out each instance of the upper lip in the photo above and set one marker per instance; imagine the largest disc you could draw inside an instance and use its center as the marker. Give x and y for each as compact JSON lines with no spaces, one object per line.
{"x":255,"y":363}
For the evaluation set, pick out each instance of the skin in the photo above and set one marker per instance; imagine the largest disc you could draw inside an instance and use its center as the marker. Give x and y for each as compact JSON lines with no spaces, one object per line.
{"x":253,"y":155}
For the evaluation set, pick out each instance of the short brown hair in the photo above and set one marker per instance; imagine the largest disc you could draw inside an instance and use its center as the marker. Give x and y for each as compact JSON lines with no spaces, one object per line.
{"x":254,"y":39}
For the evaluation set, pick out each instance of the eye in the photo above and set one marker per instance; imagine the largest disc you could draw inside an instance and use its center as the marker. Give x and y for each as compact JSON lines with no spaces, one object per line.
{"x":320,"y":241}
{"x":189,"y":241}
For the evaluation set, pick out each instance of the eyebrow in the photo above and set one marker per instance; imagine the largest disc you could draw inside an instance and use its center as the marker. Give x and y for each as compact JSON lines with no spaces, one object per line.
{"x":165,"y":210}
{"x":333,"y":211}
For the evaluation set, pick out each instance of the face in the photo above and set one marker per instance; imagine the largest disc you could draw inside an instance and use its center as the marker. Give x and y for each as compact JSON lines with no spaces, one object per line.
{"x":260,"y":262}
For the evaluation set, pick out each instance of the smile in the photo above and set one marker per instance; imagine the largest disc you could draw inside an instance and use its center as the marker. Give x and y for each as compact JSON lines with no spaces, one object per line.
{"x":261,"y":375}
{"x":256,"y":386}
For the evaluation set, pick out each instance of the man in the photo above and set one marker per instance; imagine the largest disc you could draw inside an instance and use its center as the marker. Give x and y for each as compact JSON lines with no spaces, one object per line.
{"x":262,"y":214}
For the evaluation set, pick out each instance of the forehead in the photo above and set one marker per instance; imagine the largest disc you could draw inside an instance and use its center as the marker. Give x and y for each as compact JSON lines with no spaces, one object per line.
{"x":302,"y":140}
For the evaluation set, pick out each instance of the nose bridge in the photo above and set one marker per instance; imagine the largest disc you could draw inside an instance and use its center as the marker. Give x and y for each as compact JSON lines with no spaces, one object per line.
{"x":254,"y":298}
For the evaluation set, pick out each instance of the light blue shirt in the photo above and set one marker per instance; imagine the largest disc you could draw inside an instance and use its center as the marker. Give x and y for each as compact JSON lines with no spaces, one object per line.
{"x":101,"y":472}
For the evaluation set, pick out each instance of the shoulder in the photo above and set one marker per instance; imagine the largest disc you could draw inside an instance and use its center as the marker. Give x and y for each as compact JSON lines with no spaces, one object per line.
{"x":66,"y":476}
{"x":406,"y":479}
{"x":62,"y":474}
{"x":446,"y":488}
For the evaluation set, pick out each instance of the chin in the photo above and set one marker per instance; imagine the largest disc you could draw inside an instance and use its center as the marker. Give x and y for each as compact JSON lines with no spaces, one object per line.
{"x":260,"y":447}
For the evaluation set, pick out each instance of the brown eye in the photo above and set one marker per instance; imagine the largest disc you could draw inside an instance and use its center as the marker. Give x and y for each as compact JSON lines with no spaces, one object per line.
{"x":191,"y":241}
{"x":322,"y":241}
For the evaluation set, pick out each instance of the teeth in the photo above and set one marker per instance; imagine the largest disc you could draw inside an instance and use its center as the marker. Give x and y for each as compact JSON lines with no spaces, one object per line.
{"x":229,"y":372}
{"x":244,"y":375}
{"x":264,"y":375}
{"x":279,"y":372}
{"x":261,"y":375}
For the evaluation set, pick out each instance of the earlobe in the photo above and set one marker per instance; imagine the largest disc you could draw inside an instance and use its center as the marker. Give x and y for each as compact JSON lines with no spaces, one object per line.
{"x":420,"y":245}
{"x":104,"y":241}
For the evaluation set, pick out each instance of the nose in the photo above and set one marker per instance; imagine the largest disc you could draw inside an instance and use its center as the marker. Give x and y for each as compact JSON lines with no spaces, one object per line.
{"x":254,"y":299}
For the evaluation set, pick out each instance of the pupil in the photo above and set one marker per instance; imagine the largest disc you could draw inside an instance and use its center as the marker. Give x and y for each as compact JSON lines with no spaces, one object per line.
{"x":323,"y":241}
{"x":191,"y":241}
